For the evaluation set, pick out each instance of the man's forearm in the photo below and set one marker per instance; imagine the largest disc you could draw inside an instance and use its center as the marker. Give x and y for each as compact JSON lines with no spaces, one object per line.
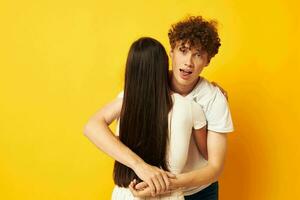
{"x":197,"y":178}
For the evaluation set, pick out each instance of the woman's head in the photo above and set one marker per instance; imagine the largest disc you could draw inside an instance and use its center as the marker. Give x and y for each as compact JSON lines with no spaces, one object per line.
{"x":147,"y":65}
{"x":146,"y":104}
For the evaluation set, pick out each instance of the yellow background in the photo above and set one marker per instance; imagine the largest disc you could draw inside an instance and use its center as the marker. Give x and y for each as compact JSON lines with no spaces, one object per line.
{"x":62,"y":60}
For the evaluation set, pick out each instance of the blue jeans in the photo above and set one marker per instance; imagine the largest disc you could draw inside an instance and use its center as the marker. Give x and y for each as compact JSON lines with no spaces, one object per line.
{"x":209,"y":193}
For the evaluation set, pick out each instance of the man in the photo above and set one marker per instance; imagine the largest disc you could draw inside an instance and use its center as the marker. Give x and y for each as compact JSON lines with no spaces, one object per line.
{"x":194,"y":42}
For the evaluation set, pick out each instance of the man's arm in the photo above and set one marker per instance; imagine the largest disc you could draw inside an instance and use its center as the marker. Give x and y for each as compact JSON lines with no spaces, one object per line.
{"x":216,"y":145}
{"x":99,"y":133}
{"x":200,"y":137}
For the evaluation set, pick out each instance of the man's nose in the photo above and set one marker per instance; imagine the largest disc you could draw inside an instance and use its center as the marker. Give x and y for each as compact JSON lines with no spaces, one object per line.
{"x":189,"y":61}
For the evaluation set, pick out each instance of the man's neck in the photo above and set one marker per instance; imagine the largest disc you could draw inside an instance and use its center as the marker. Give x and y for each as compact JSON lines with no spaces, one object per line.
{"x":182,"y":89}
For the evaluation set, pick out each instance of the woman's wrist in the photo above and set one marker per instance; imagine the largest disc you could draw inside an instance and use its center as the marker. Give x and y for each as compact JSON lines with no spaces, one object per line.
{"x":136,"y":164}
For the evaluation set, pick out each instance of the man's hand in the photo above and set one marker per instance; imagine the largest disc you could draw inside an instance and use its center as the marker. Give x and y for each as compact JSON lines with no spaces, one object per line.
{"x":157,"y":179}
{"x":222,"y":90}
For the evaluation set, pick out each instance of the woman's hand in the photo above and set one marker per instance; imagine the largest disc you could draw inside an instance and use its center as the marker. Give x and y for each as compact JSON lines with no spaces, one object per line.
{"x":143,"y":190}
{"x":156,"y":179}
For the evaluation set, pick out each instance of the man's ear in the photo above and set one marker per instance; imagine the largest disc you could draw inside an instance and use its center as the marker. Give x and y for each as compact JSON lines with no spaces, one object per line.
{"x":207,"y":62}
{"x":171,"y":53}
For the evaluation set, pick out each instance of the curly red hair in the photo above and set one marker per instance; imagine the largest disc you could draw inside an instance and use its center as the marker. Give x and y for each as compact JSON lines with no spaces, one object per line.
{"x":198,"y":33}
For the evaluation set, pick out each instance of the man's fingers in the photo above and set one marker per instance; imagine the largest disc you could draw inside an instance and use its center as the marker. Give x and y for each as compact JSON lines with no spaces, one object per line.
{"x":222,"y":90}
{"x":214,"y":83}
{"x":141,"y":185}
{"x":217,"y":85}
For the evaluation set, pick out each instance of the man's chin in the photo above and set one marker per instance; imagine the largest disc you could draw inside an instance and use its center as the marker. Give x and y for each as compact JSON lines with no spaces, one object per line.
{"x":184,"y":82}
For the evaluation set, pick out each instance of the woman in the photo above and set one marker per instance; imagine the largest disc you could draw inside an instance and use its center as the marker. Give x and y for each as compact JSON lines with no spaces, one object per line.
{"x":155,"y":125}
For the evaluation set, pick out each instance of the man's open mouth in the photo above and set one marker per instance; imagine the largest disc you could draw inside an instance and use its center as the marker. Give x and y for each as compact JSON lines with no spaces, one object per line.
{"x":185,"y":72}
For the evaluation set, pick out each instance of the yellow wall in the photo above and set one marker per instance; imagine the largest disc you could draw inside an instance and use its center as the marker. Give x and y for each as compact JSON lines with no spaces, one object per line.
{"x":62,"y":60}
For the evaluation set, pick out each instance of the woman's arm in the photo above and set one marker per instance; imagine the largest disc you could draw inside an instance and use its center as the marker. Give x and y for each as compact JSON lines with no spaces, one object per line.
{"x":99,"y":133}
{"x":200,"y":136}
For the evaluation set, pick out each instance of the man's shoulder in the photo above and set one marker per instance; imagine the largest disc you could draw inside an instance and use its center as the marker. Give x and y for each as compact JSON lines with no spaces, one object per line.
{"x":215,"y":106}
{"x":204,"y":89}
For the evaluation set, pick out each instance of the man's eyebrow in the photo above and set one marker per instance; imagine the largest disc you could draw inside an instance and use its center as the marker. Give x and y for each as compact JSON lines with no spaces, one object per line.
{"x":183,"y":46}
{"x":199,"y":50}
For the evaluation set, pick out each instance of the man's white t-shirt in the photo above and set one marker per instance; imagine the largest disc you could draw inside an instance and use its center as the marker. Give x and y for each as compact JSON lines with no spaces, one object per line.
{"x":217,"y":113}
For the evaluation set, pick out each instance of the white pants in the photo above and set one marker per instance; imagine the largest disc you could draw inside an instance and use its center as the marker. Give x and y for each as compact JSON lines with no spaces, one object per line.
{"x":121,"y":193}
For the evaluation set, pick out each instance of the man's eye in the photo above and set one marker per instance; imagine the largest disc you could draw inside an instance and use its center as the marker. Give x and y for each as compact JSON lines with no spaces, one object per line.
{"x":182,"y":50}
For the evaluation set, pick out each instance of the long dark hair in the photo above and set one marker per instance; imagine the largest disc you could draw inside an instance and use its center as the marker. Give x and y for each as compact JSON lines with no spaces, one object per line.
{"x":146,"y":104}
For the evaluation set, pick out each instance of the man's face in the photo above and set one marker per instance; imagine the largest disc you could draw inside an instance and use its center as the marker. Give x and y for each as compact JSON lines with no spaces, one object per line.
{"x":187,"y":63}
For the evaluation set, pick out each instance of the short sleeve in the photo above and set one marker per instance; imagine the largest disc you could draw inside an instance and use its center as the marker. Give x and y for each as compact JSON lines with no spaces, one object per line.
{"x":218,"y":114}
{"x":199,"y":120}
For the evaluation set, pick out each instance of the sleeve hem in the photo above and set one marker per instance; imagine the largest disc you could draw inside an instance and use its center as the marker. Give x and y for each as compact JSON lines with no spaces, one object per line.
{"x":199,"y":125}
{"x":229,"y":130}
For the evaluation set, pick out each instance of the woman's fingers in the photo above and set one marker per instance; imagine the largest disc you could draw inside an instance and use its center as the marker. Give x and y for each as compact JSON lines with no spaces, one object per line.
{"x":143,"y":190}
{"x":156,"y":178}
{"x":139,"y":193}
{"x":157,"y":185}
{"x":166,"y":180}
{"x":152,"y":186}
{"x":170,"y":175}
{"x":131,"y":188}
{"x":162,"y":183}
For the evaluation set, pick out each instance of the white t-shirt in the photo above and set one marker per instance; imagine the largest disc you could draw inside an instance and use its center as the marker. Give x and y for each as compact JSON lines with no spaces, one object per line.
{"x":217,"y":113}
{"x":184,"y":116}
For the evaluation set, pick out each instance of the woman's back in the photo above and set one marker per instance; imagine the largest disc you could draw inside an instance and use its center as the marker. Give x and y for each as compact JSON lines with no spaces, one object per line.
{"x":184,"y":116}
{"x":160,"y":137}
{"x":146,"y":104}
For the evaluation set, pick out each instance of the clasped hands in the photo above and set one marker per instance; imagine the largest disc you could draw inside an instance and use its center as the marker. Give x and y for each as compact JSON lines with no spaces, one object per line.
{"x":155,"y":182}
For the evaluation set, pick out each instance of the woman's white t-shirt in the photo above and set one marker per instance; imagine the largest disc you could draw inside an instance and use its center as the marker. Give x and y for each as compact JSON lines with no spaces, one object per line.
{"x":184,"y":116}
